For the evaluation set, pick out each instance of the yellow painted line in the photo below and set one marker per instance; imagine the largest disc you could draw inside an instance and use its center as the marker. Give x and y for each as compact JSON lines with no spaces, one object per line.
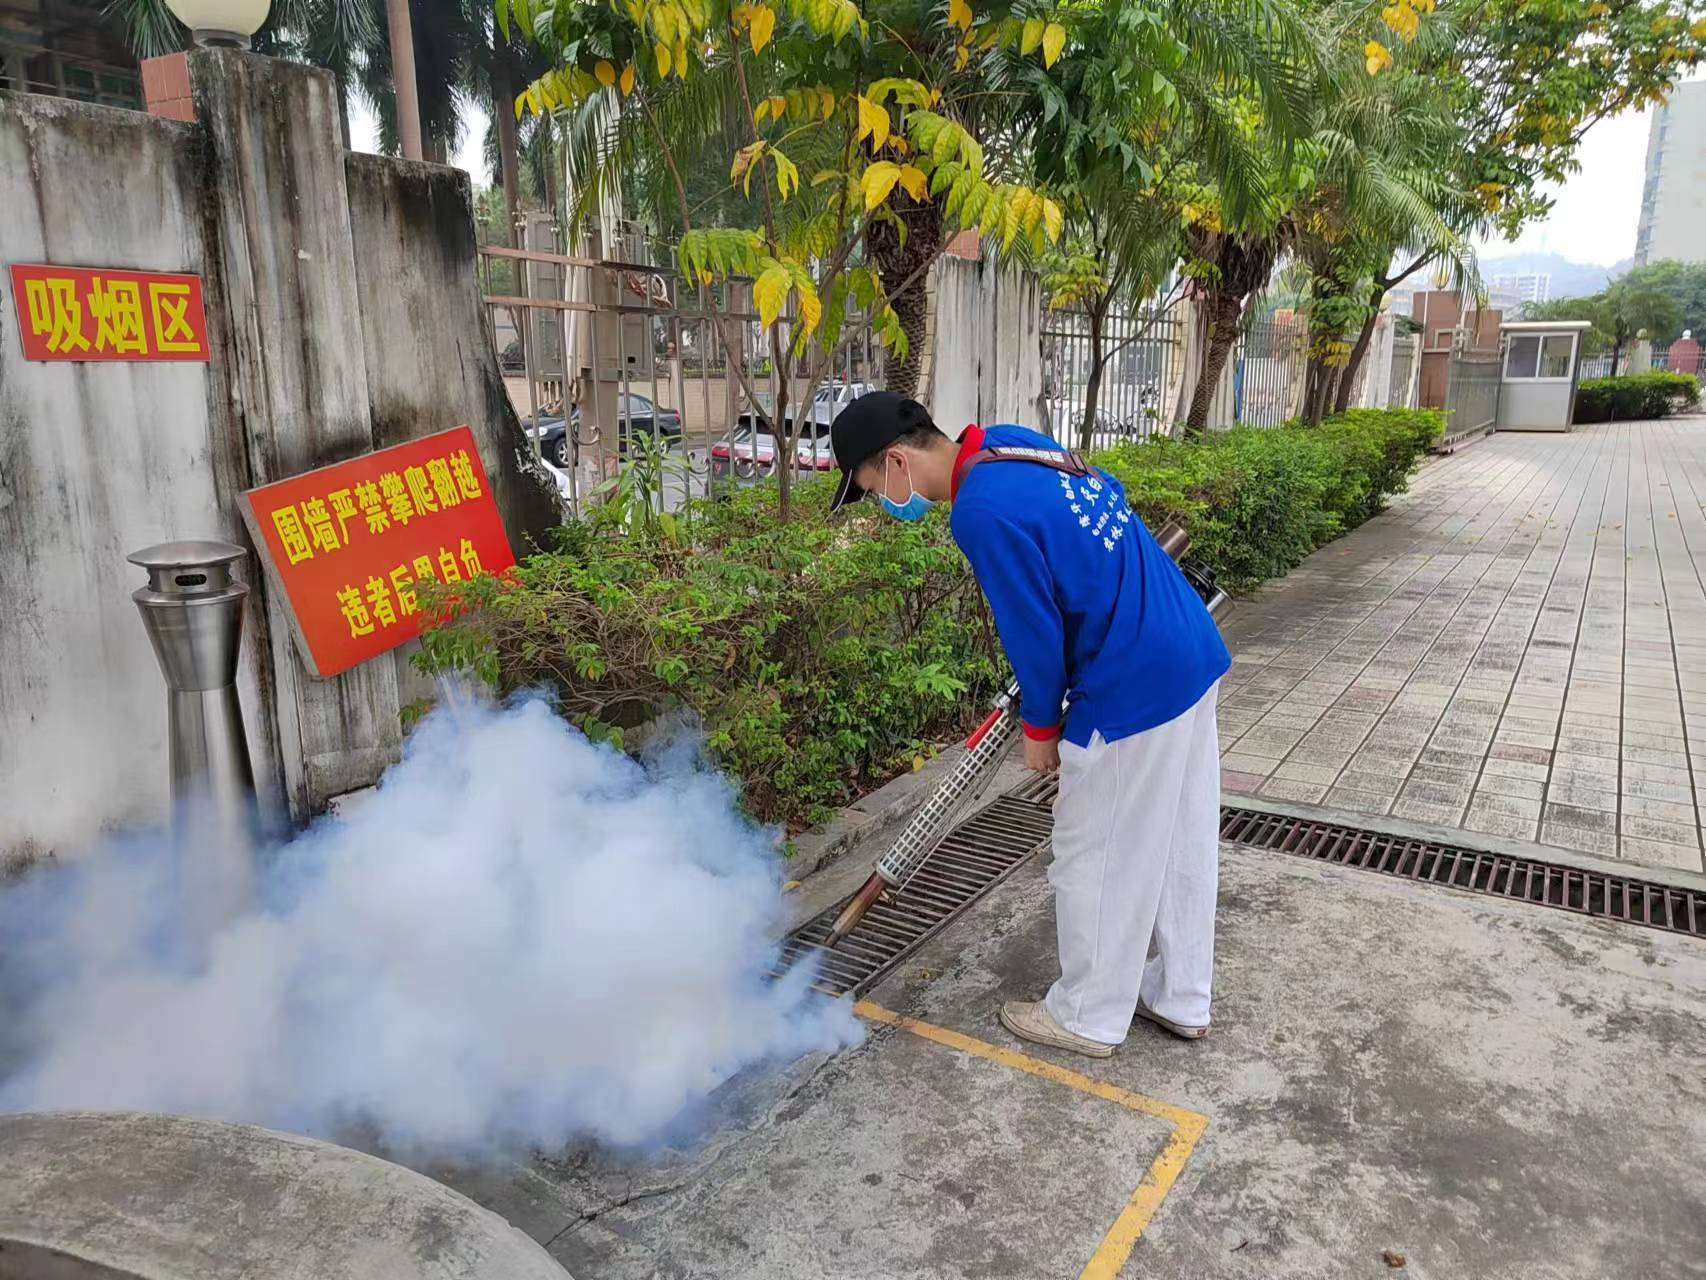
{"x":1188,"y":1127}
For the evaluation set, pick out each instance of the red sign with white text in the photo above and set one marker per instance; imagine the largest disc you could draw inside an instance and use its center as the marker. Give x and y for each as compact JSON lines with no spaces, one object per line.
{"x":348,"y":542}
{"x":99,"y":313}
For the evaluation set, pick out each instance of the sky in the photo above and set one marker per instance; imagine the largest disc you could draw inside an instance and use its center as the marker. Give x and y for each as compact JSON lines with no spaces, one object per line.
{"x":1592,"y":221}
{"x":1594,"y":217}
{"x":364,"y":136}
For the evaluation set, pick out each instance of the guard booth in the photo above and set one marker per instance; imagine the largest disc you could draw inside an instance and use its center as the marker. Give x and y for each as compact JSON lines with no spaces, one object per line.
{"x":1543,"y":360}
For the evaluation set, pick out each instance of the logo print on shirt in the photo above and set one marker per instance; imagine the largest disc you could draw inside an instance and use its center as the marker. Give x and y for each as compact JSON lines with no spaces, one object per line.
{"x":1085,"y":500}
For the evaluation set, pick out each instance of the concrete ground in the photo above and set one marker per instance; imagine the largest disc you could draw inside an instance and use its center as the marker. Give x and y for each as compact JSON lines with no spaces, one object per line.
{"x":131,"y":1196}
{"x":1488,"y":1089}
{"x":1516,"y":648}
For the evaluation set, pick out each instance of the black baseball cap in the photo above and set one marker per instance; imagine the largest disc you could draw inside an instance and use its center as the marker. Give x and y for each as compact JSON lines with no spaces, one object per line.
{"x":864,"y":429}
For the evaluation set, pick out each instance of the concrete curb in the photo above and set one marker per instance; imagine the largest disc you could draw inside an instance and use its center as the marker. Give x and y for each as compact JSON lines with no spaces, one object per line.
{"x":1503,"y":845}
{"x":133,"y":1196}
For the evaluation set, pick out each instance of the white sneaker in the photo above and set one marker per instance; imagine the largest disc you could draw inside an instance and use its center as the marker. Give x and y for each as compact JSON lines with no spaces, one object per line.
{"x":1030,"y":1020}
{"x":1167,"y":1024}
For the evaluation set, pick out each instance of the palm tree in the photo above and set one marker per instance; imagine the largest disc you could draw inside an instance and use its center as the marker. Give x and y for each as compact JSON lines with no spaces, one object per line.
{"x":1377,"y":198}
{"x":1241,"y":259}
{"x":1357,"y":190}
{"x":1127,"y":157}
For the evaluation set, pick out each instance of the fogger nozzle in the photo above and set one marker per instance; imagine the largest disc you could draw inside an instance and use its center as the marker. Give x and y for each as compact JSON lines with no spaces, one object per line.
{"x":1173,"y":539}
{"x":855,"y":910}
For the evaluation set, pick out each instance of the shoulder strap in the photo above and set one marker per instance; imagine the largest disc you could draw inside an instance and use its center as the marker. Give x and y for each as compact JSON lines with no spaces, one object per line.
{"x":1057,"y":459}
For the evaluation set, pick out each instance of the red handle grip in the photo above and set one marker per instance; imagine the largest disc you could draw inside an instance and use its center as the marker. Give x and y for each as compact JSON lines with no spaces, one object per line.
{"x":989,"y":723}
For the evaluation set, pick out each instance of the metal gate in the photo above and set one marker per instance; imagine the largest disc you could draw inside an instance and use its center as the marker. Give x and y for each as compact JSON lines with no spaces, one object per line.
{"x":1403,"y":364}
{"x":1141,"y":348}
{"x":1471,"y":394}
{"x":1271,"y":361}
{"x":622,"y":365}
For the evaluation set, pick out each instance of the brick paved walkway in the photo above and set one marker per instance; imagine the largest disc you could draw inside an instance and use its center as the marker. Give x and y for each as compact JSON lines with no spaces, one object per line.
{"x":1517,"y":647}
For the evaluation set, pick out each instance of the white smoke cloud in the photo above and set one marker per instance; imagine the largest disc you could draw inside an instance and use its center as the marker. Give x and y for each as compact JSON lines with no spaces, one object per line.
{"x":520,"y":939}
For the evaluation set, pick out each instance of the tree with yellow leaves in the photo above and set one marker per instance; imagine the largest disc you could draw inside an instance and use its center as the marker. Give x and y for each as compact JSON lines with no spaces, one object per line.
{"x":855,"y":132}
{"x":1514,"y":85}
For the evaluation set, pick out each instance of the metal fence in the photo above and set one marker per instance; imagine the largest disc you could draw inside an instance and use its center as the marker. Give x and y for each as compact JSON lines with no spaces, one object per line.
{"x":1269,"y":366}
{"x":599,"y":352}
{"x":28,"y":66}
{"x":1142,"y":382}
{"x":1599,"y":365}
{"x":1472,"y":394}
{"x":1142,"y":351}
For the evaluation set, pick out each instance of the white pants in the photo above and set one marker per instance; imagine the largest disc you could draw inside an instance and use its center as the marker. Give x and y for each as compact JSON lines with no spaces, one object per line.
{"x":1136,"y":859}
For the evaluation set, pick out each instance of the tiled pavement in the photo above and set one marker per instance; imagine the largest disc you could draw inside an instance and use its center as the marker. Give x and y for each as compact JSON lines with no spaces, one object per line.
{"x":1517,"y":647}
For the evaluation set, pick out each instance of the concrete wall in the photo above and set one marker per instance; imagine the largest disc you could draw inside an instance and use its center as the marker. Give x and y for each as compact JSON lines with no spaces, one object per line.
{"x":986,"y":361}
{"x":96,"y":461}
{"x":430,"y":364}
{"x":343,"y":315}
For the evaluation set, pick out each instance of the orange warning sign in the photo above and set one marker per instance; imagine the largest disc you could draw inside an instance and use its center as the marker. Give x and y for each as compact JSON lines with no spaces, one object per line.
{"x":348,"y":542}
{"x":100,"y":313}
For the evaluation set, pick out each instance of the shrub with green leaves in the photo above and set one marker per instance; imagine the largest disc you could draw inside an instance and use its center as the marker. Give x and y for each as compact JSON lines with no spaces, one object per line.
{"x":822,"y":656}
{"x":1633,"y":396}
{"x":1256,"y":501}
{"x":818,"y":658}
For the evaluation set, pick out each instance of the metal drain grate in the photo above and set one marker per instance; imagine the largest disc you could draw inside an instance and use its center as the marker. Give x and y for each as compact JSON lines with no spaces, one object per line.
{"x":1545,"y":884}
{"x":975,"y":857}
{"x":1603,"y":896}
{"x":982,"y":851}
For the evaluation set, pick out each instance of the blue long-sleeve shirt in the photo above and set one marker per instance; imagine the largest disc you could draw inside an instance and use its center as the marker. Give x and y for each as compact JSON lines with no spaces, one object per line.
{"x":1090,"y":610}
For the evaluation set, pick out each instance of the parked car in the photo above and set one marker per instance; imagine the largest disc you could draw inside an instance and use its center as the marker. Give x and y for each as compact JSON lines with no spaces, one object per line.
{"x":753,"y":454}
{"x":831,"y":399}
{"x":636,"y":414}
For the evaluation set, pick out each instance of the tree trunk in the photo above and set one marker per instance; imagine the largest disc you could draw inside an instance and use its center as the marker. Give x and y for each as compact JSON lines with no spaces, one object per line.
{"x":403,"y":78}
{"x":903,"y":264}
{"x":1224,"y":311}
{"x":1616,"y":351}
{"x":1321,"y":389}
{"x":503,"y":111}
{"x":1347,"y":383}
{"x":1093,"y":388}
{"x":342,"y":79}
{"x":509,"y":151}
{"x":785,"y":434}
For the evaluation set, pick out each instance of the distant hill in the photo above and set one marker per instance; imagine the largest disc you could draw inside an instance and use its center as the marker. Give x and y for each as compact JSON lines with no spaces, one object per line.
{"x":1569,"y":279}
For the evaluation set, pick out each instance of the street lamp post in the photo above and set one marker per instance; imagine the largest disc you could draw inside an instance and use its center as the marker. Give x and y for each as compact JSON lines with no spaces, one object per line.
{"x":403,"y":77}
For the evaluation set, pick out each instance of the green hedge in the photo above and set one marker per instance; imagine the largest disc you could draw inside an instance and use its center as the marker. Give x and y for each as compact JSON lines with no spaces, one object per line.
{"x":1256,"y":501}
{"x":818,"y":659}
{"x":1634,"y":396}
{"x":821,"y":658}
